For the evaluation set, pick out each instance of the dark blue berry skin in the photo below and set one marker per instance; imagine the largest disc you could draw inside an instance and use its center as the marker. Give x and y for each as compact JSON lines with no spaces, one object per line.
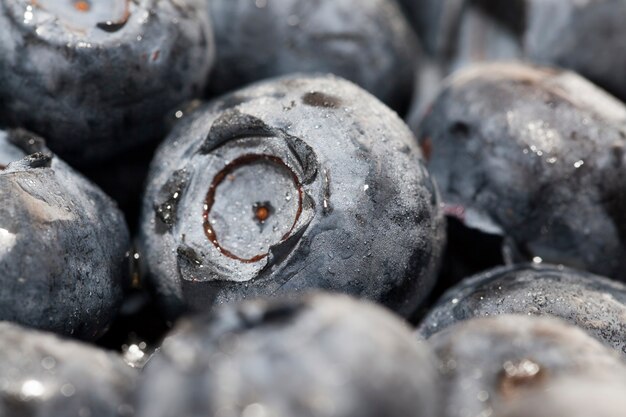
{"x":43,"y":375}
{"x":535,"y":155}
{"x":96,"y":89}
{"x":62,"y":243}
{"x":315,"y":355}
{"x":591,"y":302}
{"x":350,"y":206}
{"x":492,"y":365}
{"x":369,"y":43}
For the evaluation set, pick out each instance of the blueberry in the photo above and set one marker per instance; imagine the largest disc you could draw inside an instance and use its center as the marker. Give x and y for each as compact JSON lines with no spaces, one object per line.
{"x":43,"y":375}
{"x":534,"y":155}
{"x":490,"y":364}
{"x":315,"y":355}
{"x":369,"y":43}
{"x":593,"y":303}
{"x":98,"y":78}
{"x":294,"y":183}
{"x":62,"y":243}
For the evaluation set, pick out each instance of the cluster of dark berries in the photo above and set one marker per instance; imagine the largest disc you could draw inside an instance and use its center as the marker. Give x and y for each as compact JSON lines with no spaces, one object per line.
{"x":312,"y":208}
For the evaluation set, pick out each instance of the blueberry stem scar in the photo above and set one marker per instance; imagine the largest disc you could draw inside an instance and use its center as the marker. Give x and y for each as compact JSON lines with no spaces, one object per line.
{"x":210,"y":200}
{"x":262,"y":211}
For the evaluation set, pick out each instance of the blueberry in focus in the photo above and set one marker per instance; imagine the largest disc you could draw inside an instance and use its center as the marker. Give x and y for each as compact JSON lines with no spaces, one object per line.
{"x":43,"y":375}
{"x":97,"y":78}
{"x":369,"y":43}
{"x":535,"y":155}
{"x":294,"y":183}
{"x":315,"y":355}
{"x":591,"y":302}
{"x":62,"y":243}
{"x":492,"y":365}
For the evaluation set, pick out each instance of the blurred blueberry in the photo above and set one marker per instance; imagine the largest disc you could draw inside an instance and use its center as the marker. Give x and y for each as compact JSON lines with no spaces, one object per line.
{"x":369,"y":43}
{"x":316,"y":355}
{"x":97,"y":78}
{"x":490,"y":365}
{"x":62,"y":243}
{"x":43,"y":375}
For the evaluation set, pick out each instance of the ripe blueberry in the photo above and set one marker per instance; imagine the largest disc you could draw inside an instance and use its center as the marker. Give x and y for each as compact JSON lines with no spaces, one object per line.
{"x":43,"y":375}
{"x":489,"y":364}
{"x":97,"y":78}
{"x":315,"y":355}
{"x":62,"y":243}
{"x":535,"y":155}
{"x":290,"y":184}
{"x":593,"y":303}
{"x":369,"y":43}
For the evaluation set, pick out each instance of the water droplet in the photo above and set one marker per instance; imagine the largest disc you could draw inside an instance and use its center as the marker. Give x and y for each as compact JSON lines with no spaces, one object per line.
{"x":68,"y":390}
{"x":28,"y":15}
{"x":32,"y":388}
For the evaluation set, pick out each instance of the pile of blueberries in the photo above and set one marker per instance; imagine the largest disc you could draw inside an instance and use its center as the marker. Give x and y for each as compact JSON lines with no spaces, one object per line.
{"x":312,"y":208}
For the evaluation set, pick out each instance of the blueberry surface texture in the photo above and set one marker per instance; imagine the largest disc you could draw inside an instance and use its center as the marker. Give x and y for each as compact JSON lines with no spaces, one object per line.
{"x":45,"y":376}
{"x":294,"y":183}
{"x":369,"y":43}
{"x":97,"y":78}
{"x":591,"y":302}
{"x":62,"y":243}
{"x":314,"y":355}
{"x":535,"y":155}
{"x":491,"y":366}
